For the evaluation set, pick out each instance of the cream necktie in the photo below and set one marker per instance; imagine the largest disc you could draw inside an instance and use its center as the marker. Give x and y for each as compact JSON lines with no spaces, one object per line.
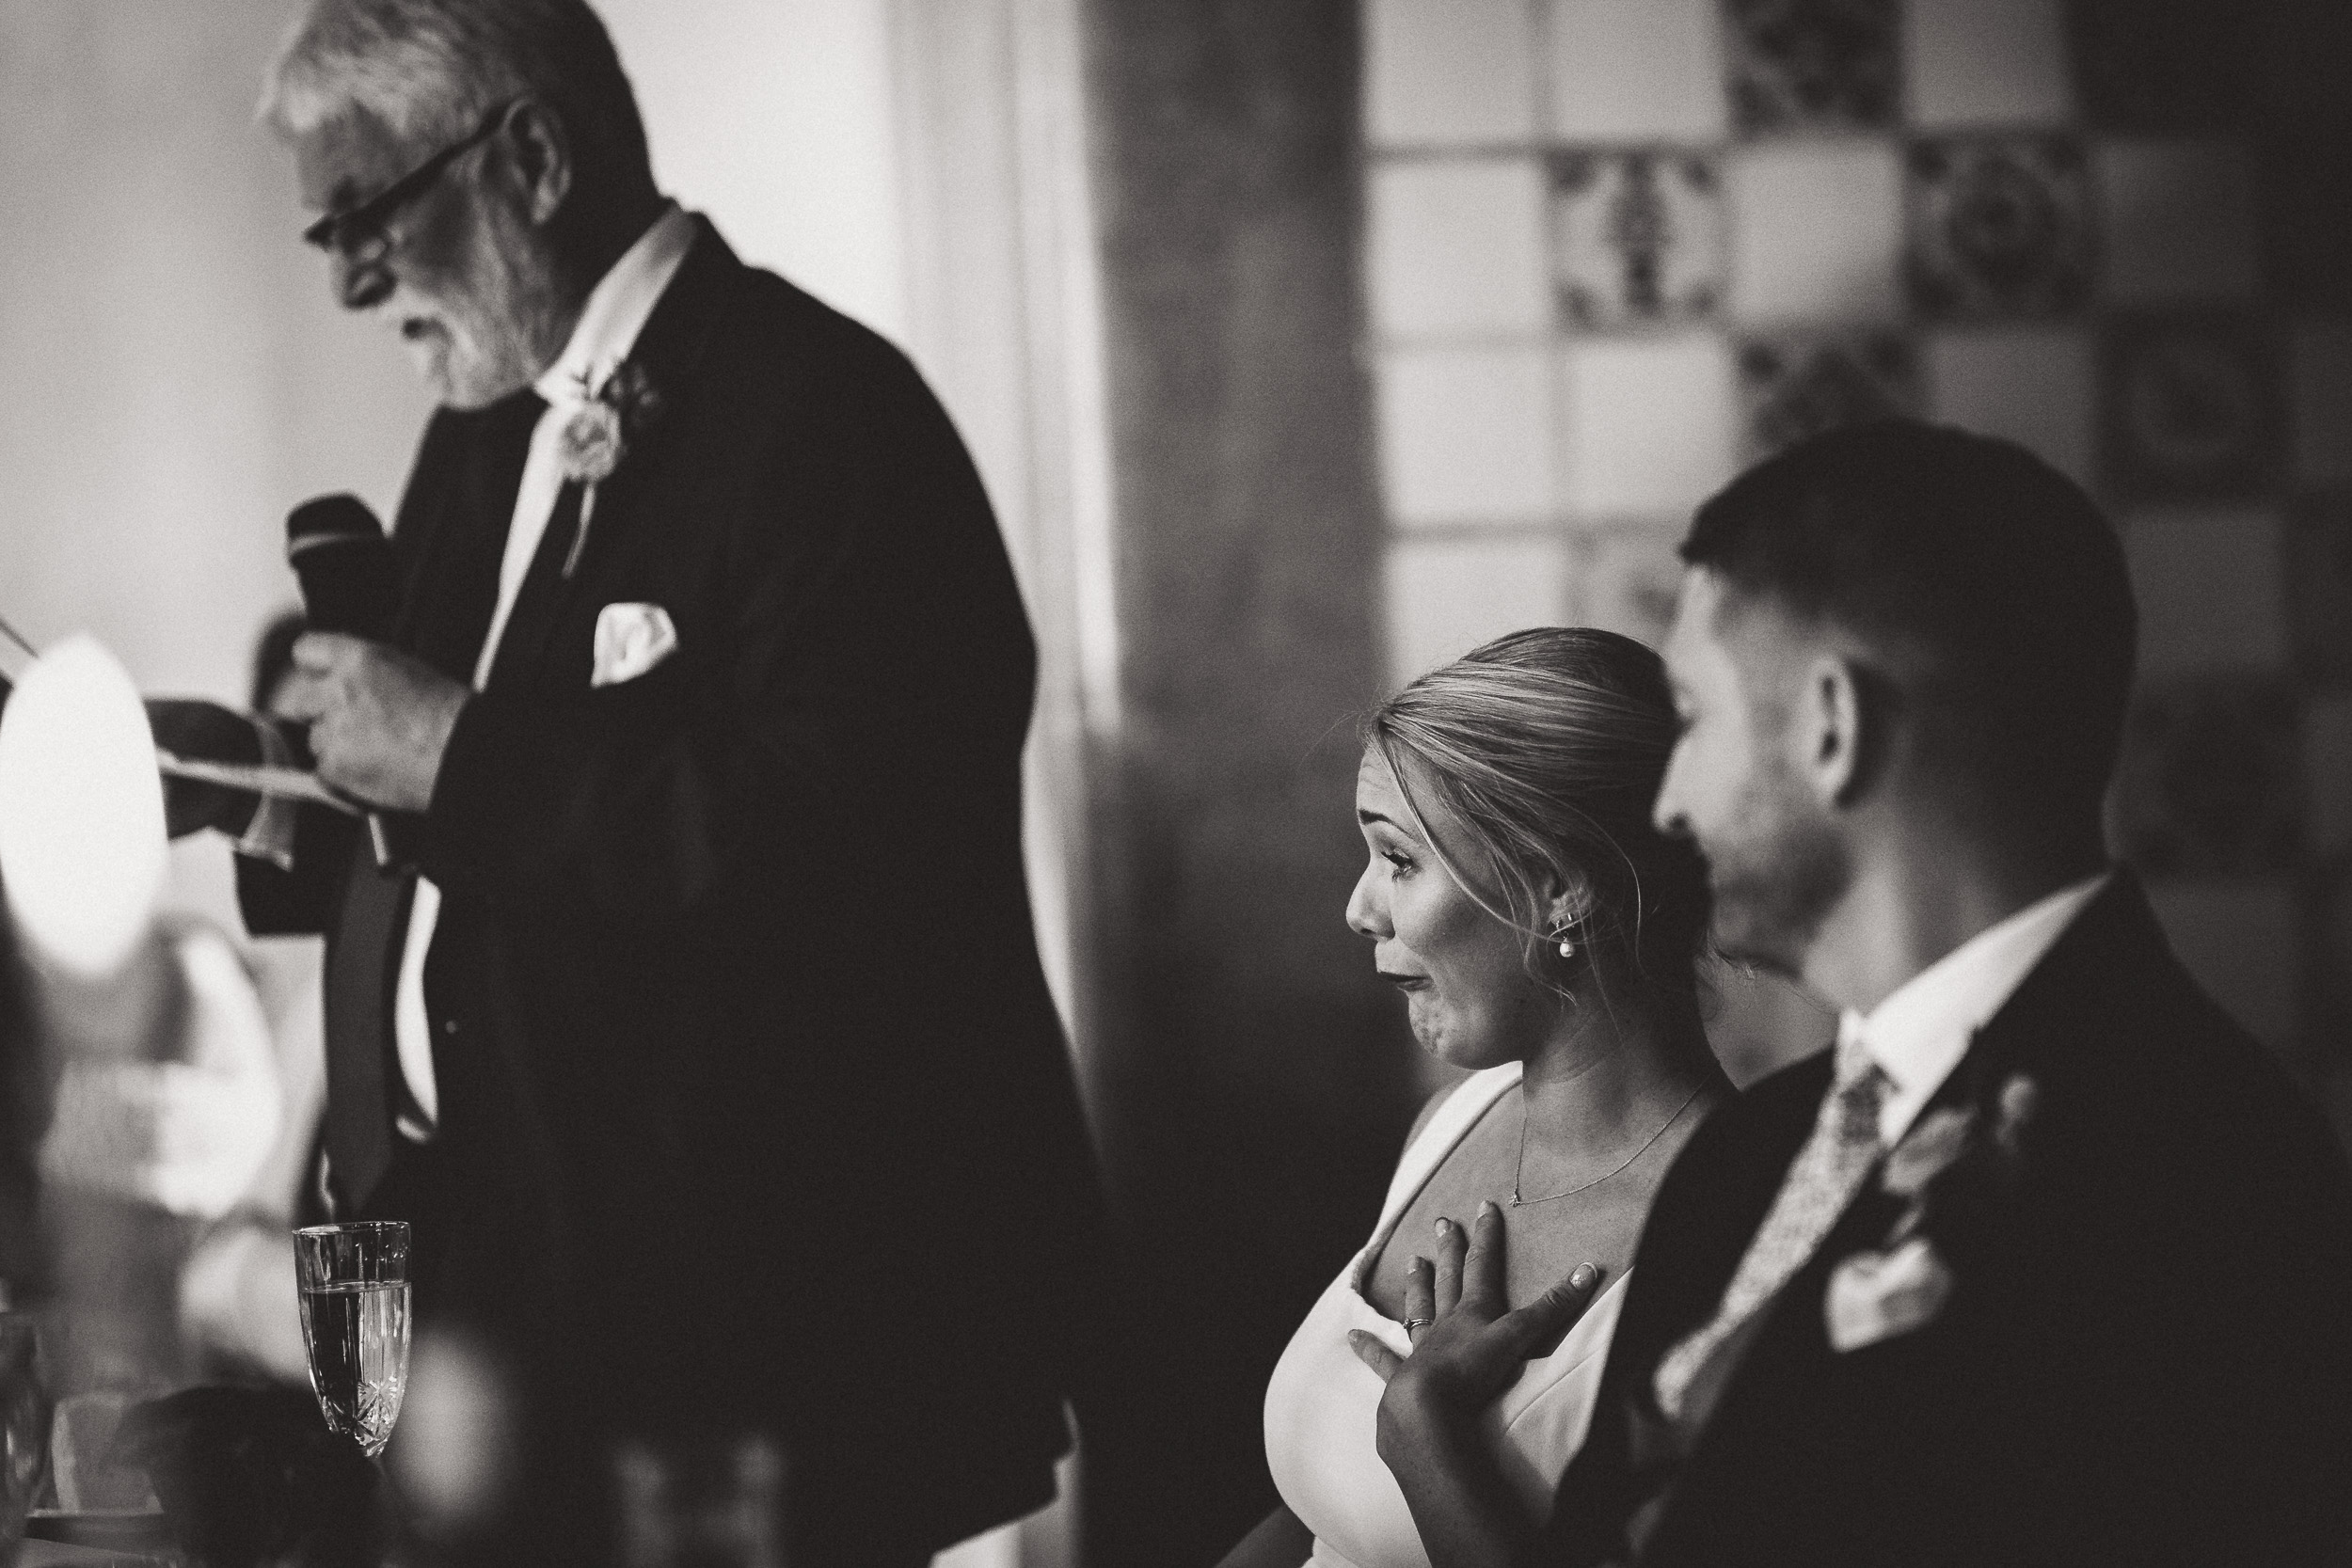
{"x":1822,"y":1181}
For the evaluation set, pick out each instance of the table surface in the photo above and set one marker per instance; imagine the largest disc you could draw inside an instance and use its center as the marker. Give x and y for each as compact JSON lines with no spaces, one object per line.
{"x":55,"y":1554}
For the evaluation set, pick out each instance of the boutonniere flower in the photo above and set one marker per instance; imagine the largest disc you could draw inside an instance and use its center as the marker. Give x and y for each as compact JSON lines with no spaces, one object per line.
{"x":1936,"y":1143}
{"x":1955,"y":1170}
{"x":592,"y":443}
{"x":597,"y":437}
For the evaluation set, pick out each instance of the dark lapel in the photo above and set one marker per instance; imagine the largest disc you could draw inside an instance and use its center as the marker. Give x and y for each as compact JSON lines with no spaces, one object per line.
{"x":2062,"y":1008}
{"x":670,"y":351}
{"x":452,"y":586}
{"x":1803,"y":1434}
{"x":2072,"y":996}
{"x":1697,"y":1240}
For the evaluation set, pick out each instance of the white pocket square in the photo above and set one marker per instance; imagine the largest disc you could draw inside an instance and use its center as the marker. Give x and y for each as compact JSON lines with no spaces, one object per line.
{"x":631,"y":639}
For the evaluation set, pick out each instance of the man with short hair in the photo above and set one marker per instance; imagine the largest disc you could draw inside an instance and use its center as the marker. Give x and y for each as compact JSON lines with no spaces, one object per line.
{"x":2045,"y":1261}
{"x":696,"y":1023}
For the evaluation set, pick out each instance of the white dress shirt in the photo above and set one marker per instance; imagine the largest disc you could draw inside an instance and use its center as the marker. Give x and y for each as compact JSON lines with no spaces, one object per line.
{"x":1918,"y":1034}
{"x":615,"y":313}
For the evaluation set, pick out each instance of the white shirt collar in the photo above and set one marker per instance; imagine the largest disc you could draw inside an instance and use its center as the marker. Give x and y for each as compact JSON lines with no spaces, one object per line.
{"x":1918,"y":1034}
{"x":617,"y":309}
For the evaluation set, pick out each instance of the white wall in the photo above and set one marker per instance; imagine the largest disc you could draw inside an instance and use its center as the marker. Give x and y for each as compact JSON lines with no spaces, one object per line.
{"x":172,"y":375}
{"x":775,"y":117}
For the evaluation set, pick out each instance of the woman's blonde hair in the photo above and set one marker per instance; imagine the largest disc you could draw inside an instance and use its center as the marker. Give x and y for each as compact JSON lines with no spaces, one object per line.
{"x":1547,"y":748}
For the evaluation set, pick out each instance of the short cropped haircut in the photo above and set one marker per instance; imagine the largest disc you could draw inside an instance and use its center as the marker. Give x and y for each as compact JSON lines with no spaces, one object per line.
{"x":433,"y":70}
{"x":1993,"y":584}
{"x":1548,"y":746}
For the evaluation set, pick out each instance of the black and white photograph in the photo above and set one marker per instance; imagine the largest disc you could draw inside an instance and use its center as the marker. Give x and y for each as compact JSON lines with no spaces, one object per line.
{"x":1175,"y":784}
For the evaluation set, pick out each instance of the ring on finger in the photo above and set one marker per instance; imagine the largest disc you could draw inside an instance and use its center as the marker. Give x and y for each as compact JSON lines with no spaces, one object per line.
{"x":1416,"y":1324}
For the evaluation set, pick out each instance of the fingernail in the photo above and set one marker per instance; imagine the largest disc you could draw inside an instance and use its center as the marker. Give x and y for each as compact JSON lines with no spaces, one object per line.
{"x":1444,"y":1225}
{"x":1584,"y":1276}
{"x":1485,"y":1207}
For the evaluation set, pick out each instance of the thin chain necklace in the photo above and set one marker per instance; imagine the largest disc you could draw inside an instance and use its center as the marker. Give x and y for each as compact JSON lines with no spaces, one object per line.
{"x":1520,"y":1164}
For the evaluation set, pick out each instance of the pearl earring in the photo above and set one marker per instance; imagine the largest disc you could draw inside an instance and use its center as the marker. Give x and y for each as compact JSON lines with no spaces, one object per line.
{"x":1567,"y":948}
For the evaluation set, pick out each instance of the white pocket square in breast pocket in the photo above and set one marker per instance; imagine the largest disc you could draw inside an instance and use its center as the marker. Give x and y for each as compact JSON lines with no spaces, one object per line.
{"x":631,"y":639}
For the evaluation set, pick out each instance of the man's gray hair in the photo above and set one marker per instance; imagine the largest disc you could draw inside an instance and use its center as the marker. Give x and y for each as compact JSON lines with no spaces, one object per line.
{"x":432,"y":70}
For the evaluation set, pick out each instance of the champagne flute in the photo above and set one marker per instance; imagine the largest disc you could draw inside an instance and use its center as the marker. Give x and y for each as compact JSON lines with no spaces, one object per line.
{"x":354,"y":1319}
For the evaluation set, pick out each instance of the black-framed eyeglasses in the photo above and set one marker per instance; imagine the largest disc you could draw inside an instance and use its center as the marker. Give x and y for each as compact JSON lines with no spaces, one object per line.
{"x":356,"y":233}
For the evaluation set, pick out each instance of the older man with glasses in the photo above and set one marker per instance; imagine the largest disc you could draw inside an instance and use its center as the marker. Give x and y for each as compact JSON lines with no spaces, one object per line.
{"x":688,"y":1004}
{"x":356,"y":233}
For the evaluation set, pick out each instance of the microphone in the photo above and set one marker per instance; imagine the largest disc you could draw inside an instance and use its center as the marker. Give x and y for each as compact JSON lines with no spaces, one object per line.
{"x":338,"y":551}
{"x":339,"y":554}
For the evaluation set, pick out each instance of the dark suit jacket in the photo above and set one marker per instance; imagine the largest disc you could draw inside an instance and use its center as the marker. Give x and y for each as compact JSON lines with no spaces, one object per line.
{"x":754,"y":1104}
{"x":2145,"y":1358}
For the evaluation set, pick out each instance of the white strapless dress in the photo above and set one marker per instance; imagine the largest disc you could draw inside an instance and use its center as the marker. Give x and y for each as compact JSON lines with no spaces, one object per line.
{"x":1320,"y":1405}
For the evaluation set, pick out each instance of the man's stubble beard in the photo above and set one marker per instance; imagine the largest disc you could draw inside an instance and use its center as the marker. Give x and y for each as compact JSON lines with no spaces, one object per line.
{"x":1776,"y":885}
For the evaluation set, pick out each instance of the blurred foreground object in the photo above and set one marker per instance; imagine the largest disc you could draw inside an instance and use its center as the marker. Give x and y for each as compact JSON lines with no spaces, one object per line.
{"x":85,"y":1477}
{"x":457,"y":1458}
{"x":186,"y":1135}
{"x":238,"y":1309}
{"x":81,"y":812}
{"x":166,"y":1090}
{"x":701,"y":1501}
{"x":24,"y":1429}
{"x":148,"y":1047}
{"x":249,"y":1476}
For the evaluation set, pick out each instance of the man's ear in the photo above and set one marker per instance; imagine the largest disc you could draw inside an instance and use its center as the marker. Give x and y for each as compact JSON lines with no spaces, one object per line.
{"x":541,"y":151}
{"x":1828,"y":736}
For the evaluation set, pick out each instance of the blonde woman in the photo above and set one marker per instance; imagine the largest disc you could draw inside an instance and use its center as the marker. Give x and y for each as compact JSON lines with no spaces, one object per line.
{"x":1547,"y":940}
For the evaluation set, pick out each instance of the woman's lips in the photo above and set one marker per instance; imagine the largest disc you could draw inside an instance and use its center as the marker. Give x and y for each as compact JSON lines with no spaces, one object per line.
{"x":1403,"y":982}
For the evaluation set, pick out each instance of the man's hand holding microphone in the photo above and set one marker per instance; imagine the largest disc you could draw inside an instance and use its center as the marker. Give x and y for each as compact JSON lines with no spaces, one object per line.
{"x":378,"y":718}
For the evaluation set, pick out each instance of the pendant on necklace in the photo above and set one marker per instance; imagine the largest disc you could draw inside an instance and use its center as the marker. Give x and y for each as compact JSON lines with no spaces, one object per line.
{"x":1519,"y":1167}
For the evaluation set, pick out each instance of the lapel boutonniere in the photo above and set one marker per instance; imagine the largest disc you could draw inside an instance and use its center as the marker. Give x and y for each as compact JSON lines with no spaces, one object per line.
{"x":596,"y":438}
{"x":1955,"y":1171}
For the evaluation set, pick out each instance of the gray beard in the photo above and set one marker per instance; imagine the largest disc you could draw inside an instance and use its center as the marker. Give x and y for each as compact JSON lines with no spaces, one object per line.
{"x":516,"y":320}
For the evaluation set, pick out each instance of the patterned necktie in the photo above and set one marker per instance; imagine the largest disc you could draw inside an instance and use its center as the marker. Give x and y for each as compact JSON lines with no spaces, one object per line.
{"x":1820,"y":1182}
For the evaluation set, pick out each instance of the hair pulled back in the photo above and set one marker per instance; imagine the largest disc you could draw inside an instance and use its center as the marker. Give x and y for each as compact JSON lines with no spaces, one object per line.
{"x":1547,"y":748}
